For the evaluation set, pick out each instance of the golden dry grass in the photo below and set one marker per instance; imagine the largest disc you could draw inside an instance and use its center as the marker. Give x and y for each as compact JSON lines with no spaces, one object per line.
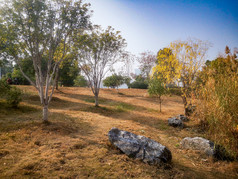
{"x":75,"y":143}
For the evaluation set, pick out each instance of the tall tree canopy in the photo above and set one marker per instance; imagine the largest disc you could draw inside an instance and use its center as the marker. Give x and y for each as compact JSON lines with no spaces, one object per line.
{"x":42,"y":29}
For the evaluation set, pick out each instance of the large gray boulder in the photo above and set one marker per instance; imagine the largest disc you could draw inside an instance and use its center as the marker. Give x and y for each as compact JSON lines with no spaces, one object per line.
{"x":139,"y":147}
{"x":175,"y":122}
{"x":199,"y":143}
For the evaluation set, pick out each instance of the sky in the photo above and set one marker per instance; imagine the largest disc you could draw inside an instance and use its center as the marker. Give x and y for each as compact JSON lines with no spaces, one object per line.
{"x":153,"y":24}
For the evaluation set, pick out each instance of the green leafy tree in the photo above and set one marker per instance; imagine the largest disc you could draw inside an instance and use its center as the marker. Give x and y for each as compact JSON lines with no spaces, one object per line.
{"x":140,"y":82}
{"x":68,"y":72}
{"x":42,"y":30}
{"x":157,"y":89}
{"x":80,"y":81}
{"x":27,"y":67}
{"x":114,"y":81}
{"x":127,"y":81}
{"x":97,"y":52}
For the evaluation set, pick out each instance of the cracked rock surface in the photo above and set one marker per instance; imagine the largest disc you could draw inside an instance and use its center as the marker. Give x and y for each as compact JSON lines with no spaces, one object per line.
{"x":139,"y":147}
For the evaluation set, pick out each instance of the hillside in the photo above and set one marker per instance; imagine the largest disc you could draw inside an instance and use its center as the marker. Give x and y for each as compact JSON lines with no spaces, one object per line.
{"x":75,"y":143}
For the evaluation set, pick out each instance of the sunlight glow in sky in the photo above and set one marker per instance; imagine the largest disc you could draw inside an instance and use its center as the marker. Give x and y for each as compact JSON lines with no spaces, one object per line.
{"x":153,"y":24}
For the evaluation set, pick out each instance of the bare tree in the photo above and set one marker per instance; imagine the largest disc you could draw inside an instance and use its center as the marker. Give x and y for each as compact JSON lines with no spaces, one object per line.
{"x":97,"y":52}
{"x":147,"y":60}
{"x":42,"y":30}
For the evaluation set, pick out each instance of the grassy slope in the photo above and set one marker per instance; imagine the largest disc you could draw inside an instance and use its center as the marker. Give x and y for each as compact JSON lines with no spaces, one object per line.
{"x":75,"y":144}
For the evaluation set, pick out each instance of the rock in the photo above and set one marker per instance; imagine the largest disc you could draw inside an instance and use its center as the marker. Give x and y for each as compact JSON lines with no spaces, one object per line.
{"x":207,"y":147}
{"x":199,"y":143}
{"x":182,"y":117}
{"x":139,"y":147}
{"x":175,"y":122}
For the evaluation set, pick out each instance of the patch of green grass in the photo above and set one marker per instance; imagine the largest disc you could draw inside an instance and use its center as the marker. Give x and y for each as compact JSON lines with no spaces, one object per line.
{"x":123,"y":107}
{"x":177,"y":145}
{"x":163,"y":126}
{"x":92,"y":100}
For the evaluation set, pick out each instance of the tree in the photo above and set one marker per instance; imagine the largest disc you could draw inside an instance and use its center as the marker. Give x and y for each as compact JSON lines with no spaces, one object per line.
{"x":127,"y":81}
{"x":42,"y":30}
{"x":181,"y":63}
{"x":191,"y":55}
{"x":140,"y":82}
{"x":147,"y":60}
{"x":114,"y":81}
{"x":157,"y":89}
{"x":80,"y":81}
{"x":97,"y":52}
{"x":167,"y":66}
{"x":68,"y":72}
{"x":28,"y":68}
{"x":6,"y":66}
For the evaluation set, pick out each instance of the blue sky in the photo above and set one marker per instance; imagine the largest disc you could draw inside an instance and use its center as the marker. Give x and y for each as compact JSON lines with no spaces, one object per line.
{"x":153,"y":24}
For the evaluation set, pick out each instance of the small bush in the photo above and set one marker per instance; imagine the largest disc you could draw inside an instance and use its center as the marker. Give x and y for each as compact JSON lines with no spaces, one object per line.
{"x":139,"y":85}
{"x":12,"y":94}
{"x":14,"y":97}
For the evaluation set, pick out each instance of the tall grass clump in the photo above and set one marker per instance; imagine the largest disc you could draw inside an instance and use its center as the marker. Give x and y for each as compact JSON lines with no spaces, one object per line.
{"x":217,"y":106}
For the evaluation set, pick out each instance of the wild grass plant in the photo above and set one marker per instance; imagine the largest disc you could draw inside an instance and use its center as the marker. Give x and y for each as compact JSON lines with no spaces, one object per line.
{"x":218,"y":104}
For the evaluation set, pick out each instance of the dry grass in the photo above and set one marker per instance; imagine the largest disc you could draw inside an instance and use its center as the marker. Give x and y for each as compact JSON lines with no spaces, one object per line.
{"x":75,"y":143}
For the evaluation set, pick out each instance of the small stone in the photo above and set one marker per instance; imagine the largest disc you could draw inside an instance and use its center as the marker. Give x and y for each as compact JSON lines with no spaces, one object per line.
{"x":175,"y":122}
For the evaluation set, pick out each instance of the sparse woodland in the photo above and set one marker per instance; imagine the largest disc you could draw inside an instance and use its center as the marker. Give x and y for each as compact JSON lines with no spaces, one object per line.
{"x":55,"y":112}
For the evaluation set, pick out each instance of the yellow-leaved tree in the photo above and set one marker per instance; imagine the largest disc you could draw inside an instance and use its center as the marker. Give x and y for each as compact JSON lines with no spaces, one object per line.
{"x":180,"y":64}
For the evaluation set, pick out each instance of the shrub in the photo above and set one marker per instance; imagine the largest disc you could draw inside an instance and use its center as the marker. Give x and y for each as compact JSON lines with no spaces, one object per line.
{"x":218,"y":104}
{"x":12,"y":94}
{"x":139,"y":85}
{"x":80,"y":81}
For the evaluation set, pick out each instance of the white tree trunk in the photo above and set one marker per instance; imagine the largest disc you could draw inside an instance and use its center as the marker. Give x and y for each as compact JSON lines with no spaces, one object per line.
{"x":45,"y":113}
{"x":96,"y":100}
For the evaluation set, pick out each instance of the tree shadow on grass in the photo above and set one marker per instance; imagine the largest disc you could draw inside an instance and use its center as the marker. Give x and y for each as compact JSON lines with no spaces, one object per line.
{"x":64,"y":124}
{"x":59,"y":123}
{"x":55,"y":103}
{"x":197,"y":173}
{"x":107,"y":102}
